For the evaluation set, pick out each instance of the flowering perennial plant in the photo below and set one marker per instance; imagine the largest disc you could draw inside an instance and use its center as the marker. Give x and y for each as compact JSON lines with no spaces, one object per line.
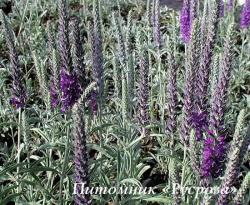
{"x":245,"y":15}
{"x":124,"y":101}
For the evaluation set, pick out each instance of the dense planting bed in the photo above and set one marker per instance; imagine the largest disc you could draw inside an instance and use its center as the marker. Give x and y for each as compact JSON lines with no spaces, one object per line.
{"x":124,"y":102}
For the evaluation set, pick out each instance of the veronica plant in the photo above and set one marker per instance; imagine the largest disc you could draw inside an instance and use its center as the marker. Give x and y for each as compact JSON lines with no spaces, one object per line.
{"x":204,"y":70}
{"x":19,"y":97}
{"x":54,"y":69}
{"x":156,"y":23}
{"x":143,"y":93}
{"x":80,"y":155}
{"x":220,"y":96}
{"x":97,"y":50}
{"x":234,"y":161}
{"x":68,"y":78}
{"x":245,"y":15}
{"x":189,"y":81}
{"x":77,"y":52}
{"x":185,"y":21}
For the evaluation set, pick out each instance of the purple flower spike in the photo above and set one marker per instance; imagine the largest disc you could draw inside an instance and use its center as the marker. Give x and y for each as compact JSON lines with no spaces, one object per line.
{"x":221,"y":8}
{"x":156,"y":23}
{"x":230,"y":5}
{"x":18,"y":90}
{"x":199,"y":123}
{"x":220,"y":97}
{"x":214,"y":154}
{"x":54,"y":95}
{"x":143,"y":93}
{"x":245,"y":15}
{"x":207,"y":157}
{"x":93,"y":102}
{"x":63,"y":34}
{"x":18,"y":101}
{"x":97,"y":50}
{"x":55,"y":73}
{"x":185,"y":22}
{"x":193,"y":9}
{"x":70,"y":89}
{"x":81,"y":156}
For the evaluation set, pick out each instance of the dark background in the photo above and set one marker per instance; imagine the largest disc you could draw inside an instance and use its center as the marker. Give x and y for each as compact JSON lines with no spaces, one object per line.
{"x":175,"y":4}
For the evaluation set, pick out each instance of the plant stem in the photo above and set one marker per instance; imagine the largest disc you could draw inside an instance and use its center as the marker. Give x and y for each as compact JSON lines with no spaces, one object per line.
{"x":18,"y":147}
{"x":184,"y":165}
{"x":65,"y":162}
{"x":100,"y":135}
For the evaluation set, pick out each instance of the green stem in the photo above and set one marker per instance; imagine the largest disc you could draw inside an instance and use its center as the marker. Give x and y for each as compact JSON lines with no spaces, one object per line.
{"x":183,"y":165}
{"x":100,"y":134}
{"x":18,"y":147}
{"x":65,"y":162}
